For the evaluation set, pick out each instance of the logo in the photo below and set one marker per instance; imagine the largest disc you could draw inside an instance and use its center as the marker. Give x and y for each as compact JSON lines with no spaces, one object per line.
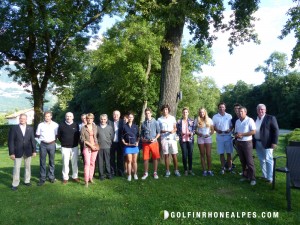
{"x":164,"y":214}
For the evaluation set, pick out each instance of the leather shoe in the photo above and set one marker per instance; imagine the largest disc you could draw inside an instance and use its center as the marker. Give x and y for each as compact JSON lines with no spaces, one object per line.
{"x":14,"y":188}
{"x":27,"y":184}
{"x":40,"y":183}
{"x":76,"y":180}
{"x":65,"y":181}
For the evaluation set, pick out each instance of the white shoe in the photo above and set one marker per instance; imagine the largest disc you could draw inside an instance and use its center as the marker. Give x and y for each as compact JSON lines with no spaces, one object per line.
{"x":135,"y":177}
{"x":155,"y":175}
{"x":253,"y":182}
{"x":167,"y":174}
{"x":129,"y":178}
{"x":177,"y":174}
{"x":145,"y":176}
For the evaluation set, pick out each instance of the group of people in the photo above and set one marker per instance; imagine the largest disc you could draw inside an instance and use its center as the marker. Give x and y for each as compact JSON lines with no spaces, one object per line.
{"x":114,"y":145}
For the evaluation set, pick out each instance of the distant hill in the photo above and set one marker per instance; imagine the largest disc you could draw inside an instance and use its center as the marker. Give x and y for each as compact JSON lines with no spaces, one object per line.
{"x":13,"y":97}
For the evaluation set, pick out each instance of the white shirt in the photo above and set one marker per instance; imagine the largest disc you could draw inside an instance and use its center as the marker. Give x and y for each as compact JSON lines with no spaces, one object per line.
{"x":222,"y":123}
{"x":204,"y":130}
{"x":245,"y":126}
{"x":23,"y":128}
{"x":167,"y":124}
{"x":116,"y":129}
{"x":258,"y":124}
{"x":47,"y":131}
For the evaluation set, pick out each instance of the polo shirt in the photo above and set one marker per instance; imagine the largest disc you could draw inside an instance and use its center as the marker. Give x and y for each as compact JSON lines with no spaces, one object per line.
{"x":245,"y":126}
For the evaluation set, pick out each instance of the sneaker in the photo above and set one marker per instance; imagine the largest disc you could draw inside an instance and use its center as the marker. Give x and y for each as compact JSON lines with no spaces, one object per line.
{"x":210,"y":173}
{"x":145,"y":176}
{"x":129,"y":178}
{"x":177,"y":174}
{"x":167,"y":174}
{"x":186,"y":173}
{"x":135,"y":177}
{"x":155,"y":175}
{"x":204,"y":173}
{"x":222,"y":171}
{"x":253,"y":182}
{"x":191,"y":172}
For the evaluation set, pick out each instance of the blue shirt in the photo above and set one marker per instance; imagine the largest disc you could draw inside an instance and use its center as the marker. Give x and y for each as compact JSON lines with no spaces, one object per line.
{"x":150,"y":129}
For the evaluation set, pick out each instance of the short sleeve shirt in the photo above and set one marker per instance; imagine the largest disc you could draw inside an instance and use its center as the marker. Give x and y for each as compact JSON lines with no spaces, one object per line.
{"x":245,"y":126}
{"x":167,"y":124}
{"x":47,"y":131}
{"x":222,"y":123}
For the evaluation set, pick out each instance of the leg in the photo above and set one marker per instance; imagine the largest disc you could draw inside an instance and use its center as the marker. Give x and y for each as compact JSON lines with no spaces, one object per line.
{"x":74,"y":161}
{"x":241,"y":155}
{"x":202,"y":156}
{"x":184,"y":150}
{"x":16,"y":172}
{"x":208,"y":155}
{"x":65,"y":152}
{"x":222,"y":160}
{"x":43,"y":155}
{"x":229,"y":161}
{"x":134,"y":163}
{"x":249,"y":160}
{"x":87,"y":162}
{"x":129,"y":164}
{"x":261,"y":154}
{"x":269,"y":164}
{"x":51,"y":152}
{"x":113,"y":150}
{"x":107,"y":161}
{"x":120,"y":160}
{"x":190,"y":148}
{"x":174,"y":156}
{"x":101,"y":163}
{"x":27,"y":173}
{"x":92,"y":164}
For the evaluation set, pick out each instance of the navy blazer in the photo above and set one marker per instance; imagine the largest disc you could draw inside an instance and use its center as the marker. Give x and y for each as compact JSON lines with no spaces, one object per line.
{"x":269,"y":131}
{"x":120,"y":125}
{"x":20,"y":145}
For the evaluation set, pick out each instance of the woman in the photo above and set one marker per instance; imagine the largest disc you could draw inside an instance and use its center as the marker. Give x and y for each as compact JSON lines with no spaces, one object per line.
{"x":130,"y":139}
{"x":204,"y":128}
{"x":88,"y":137}
{"x":185,"y":131}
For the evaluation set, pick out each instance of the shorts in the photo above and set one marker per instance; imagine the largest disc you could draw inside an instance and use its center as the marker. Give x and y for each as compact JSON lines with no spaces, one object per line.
{"x":203,"y":140}
{"x":224,"y":144}
{"x":131,"y":150}
{"x":153,"y":148}
{"x":169,"y":146}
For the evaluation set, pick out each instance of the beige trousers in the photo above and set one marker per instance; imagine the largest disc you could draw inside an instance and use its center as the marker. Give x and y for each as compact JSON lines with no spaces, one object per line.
{"x":16,"y":171}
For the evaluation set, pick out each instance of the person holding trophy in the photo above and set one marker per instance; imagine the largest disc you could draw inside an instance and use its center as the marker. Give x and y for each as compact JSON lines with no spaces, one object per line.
{"x":150,"y":132}
{"x":130,"y":139}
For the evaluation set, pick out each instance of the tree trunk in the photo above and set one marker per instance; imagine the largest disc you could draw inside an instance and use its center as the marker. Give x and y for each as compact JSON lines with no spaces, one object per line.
{"x":171,"y":69}
{"x":38,"y":104}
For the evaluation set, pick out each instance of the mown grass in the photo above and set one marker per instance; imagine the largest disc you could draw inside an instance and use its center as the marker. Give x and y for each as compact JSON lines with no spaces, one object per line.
{"x":140,"y":202}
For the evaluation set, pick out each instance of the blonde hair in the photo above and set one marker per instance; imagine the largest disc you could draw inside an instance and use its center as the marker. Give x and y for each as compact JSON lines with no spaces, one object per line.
{"x":203,"y":121}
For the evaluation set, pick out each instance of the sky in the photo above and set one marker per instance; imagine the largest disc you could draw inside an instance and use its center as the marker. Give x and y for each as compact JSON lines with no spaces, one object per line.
{"x":240,"y":65}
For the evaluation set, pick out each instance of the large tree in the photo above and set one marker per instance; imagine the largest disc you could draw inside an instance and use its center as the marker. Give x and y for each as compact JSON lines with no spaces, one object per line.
{"x":40,"y":38}
{"x":200,"y":17}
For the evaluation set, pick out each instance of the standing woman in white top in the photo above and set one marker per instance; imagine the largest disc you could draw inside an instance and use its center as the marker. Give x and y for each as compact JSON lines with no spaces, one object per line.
{"x":204,"y":128}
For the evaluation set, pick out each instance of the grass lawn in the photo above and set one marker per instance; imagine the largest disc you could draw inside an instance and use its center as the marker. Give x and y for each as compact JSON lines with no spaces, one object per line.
{"x":140,"y":202}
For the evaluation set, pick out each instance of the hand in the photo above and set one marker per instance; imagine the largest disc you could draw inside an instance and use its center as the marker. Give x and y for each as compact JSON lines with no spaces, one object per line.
{"x":34,"y":154}
{"x":206,"y":135}
{"x":12,"y":157}
{"x":136,"y":143}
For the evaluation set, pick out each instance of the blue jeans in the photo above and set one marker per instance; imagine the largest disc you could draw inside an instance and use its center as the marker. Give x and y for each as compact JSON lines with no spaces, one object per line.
{"x":187,"y":154}
{"x":44,"y":150}
{"x":265,"y":157}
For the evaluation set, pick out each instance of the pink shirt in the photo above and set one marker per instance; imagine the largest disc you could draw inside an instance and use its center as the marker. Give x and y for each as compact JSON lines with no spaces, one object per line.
{"x":185,"y":131}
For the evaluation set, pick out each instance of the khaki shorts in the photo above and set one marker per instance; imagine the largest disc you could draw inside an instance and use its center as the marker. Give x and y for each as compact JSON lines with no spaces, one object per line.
{"x":169,"y":146}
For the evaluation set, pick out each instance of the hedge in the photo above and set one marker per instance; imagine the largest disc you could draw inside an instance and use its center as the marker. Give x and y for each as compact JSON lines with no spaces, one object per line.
{"x":4,"y":129}
{"x":294,"y":136}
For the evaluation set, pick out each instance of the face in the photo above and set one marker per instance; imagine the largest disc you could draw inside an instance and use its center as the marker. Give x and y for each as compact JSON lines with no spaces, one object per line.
{"x":185,"y":113}
{"x":116,"y":115}
{"x":103,"y":120}
{"x":69,"y":117}
{"x":236,"y":110}
{"x":125,"y":119}
{"x":90,"y":120}
{"x":130,"y":118}
{"x":83,"y":119}
{"x":242,"y":113}
{"x":202,"y":113}
{"x":261,"y":111}
{"x":48,"y":117}
{"x":165,"y":111}
{"x":23,"y":120}
{"x":148,"y":115}
{"x":222,"y":109}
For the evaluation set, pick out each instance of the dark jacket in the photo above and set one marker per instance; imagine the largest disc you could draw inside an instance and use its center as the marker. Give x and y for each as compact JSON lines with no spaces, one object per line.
{"x":269,"y":131}
{"x":68,"y":135}
{"x":20,"y":145}
{"x":120,"y":125}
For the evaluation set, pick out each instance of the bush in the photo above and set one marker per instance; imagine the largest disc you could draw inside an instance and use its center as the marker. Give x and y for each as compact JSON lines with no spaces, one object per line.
{"x":294,"y":136}
{"x":4,"y":129}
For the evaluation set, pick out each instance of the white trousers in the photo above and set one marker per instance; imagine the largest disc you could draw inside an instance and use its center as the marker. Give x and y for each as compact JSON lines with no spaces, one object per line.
{"x":16,"y":171}
{"x":68,"y":153}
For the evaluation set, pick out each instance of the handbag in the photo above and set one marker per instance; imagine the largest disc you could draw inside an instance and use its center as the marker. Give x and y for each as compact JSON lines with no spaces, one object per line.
{"x":97,"y":148}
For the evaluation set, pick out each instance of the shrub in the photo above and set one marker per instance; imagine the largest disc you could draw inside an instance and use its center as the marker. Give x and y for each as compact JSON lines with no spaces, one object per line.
{"x":294,"y":136}
{"x":4,"y":129}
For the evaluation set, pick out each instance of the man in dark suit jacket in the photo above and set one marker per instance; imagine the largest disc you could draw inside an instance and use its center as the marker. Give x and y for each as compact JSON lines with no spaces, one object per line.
{"x":21,"y":144}
{"x":266,"y":138}
{"x":116,"y":147}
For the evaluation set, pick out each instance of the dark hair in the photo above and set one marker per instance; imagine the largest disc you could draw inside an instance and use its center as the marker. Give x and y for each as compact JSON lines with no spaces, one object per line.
{"x":185,"y":108}
{"x":165,"y":106}
{"x":237,"y":104}
{"x":221,"y":103}
{"x":148,"y":109}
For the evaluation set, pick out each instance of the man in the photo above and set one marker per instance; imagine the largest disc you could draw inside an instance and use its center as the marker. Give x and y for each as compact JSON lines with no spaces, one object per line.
{"x":168,"y":129}
{"x":83,"y":123}
{"x":68,"y":135}
{"x":236,"y":108}
{"x":106,"y":135}
{"x":223,"y":127}
{"x":150,"y":132}
{"x":266,"y":138}
{"x":244,"y":129}
{"x":116,"y":147}
{"x":21,"y":144}
{"x":47,"y":132}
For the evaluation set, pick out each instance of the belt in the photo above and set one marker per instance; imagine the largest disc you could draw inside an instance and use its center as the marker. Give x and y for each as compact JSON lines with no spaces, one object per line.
{"x":257,"y":140}
{"x":48,"y":143}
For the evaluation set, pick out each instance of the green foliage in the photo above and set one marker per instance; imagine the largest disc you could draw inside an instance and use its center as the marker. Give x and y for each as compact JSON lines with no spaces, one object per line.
{"x":4,"y":130}
{"x":293,"y":26}
{"x":293,"y":136}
